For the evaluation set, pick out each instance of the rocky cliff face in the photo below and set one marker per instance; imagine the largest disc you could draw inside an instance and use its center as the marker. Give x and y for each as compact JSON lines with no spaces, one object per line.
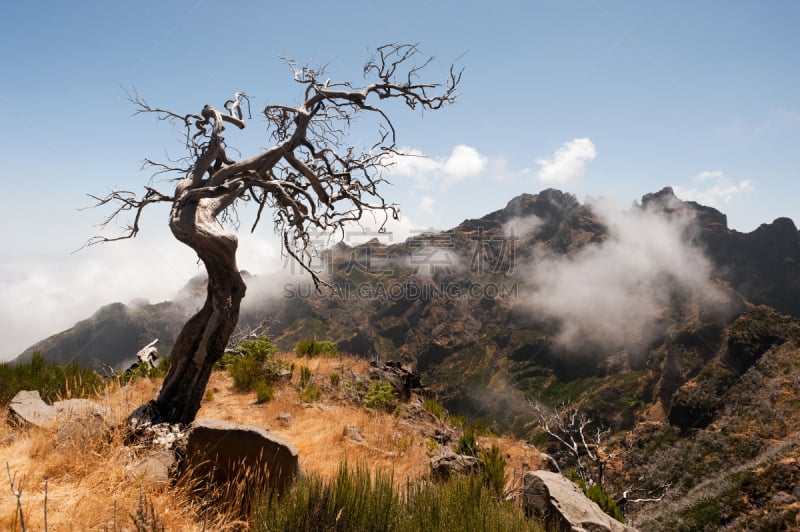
{"x":763,"y":265}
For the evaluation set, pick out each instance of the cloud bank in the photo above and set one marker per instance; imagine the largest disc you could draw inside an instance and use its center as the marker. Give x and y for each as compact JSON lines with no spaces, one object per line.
{"x":45,"y":294}
{"x":610,"y":295}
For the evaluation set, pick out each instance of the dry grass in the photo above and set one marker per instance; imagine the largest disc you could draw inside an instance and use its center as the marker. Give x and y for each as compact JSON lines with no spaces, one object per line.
{"x":87,"y":480}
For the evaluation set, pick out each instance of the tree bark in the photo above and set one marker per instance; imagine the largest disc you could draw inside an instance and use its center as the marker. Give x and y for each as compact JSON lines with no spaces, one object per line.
{"x":202,"y":340}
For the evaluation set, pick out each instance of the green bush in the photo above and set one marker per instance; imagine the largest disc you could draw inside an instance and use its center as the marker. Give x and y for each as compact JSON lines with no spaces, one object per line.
{"x":264,"y":392}
{"x":360,"y":500}
{"x":380,"y":396}
{"x":434,"y":407}
{"x":313,"y":348}
{"x":252,"y":367}
{"x":305,"y":376}
{"x":494,"y":469}
{"x":467,"y":444}
{"x":53,"y":381}
{"x":310,"y":393}
{"x":246,"y":373}
{"x":260,"y":348}
{"x":335,"y":379}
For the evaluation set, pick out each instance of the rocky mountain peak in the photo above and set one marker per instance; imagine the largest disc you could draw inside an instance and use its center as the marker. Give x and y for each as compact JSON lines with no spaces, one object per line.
{"x":547,"y":204}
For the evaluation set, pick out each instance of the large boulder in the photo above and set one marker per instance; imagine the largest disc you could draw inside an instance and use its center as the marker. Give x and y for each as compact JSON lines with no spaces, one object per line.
{"x":219,"y":453}
{"x":563,"y":506}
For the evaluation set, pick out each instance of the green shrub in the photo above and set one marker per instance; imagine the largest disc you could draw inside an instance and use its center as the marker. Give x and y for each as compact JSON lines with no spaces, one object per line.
{"x":380,"y":396}
{"x":310,"y":393}
{"x":360,"y":500}
{"x":434,"y":407}
{"x":305,"y":376}
{"x":313,"y":348}
{"x":264,"y":392}
{"x":335,"y":379}
{"x":53,"y":381}
{"x":260,"y":348}
{"x":467,"y":444}
{"x":246,"y":373}
{"x":494,"y":469}
{"x":252,"y":367}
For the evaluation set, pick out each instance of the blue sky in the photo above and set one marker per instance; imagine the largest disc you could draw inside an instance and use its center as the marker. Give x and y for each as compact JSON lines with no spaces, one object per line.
{"x":598,"y":98}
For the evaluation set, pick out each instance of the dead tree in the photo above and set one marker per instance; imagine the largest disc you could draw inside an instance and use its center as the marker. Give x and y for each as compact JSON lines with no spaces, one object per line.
{"x":580,"y":437}
{"x":310,"y":178}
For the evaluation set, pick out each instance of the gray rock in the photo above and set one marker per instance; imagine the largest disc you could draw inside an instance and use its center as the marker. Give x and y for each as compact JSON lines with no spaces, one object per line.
{"x":449,"y":463}
{"x":82,"y":432}
{"x":548,"y":463}
{"x":28,"y":408}
{"x":154,"y":468}
{"x":352,"y":432}
{"x":563,"y":506}
{"x":219,"y":453}
{"x":75,"y":409}
{"x":284,"y":419}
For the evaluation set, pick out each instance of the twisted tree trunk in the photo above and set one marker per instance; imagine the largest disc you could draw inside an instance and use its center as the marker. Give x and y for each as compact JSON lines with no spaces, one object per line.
{"x":204,"y":337}
{"x":310,"y":178}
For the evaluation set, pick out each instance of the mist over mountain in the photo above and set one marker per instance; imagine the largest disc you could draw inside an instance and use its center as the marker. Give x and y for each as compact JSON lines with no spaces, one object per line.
{"x":589,"y":277}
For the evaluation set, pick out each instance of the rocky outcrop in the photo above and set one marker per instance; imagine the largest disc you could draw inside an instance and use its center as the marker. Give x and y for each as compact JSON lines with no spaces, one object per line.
{"x":219,"y":453}
{"x":403,"y":380}
{"x":28,"y":408}
{"x":449,"y":463}
{"x":563,"y":505}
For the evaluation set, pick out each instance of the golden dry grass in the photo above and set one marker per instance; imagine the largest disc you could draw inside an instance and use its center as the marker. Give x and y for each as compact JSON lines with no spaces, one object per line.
{"x":86,"y":481}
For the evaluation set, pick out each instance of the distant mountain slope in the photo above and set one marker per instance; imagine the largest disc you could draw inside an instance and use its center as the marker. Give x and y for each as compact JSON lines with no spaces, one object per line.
{"x":491,"y":256}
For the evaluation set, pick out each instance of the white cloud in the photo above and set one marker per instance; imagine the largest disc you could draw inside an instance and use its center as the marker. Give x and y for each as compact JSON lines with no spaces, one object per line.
{"x":611,"y":294}
{"x":568,"y":162}
{"x":718,"y":189}
{"x":463,"y":162}
{"x":426,"y":204}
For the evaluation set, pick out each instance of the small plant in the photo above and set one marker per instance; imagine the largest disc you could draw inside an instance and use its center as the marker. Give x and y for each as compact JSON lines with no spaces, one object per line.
{"x":596,"y":493}
{"x":310,"y":393}
{"x":251,"y":366}
{"x":467,"y":444}
{"x":335,"y":379}
{"x":264,"y":392}
{"x":313,"y":348}
{"x":305,"y":376}
{"x":145,"y":519}
{"x":380,"y":396}
{"x":260,"y":348}
{"x":404,"y":443}
{"x":246,"y":373}
{"x":494,"y":469}
{"x":431,"y":447}
{"x":209,"y":396}
{"x":434,"y":407}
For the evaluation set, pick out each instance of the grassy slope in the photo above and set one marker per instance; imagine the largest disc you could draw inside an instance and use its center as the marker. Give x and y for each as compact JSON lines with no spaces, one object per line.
{"x":86,"y":480}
